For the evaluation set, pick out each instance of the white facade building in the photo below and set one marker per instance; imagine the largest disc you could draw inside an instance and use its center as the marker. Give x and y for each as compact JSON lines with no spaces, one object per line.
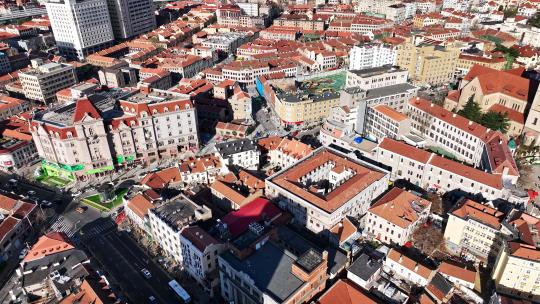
{"x":377,"y":77}
{"x":242,"y":152}
{"x":80,"y":27}
{"x":41,"y":82}
{"x":318,"y":207}
{"x":168,"y":220}
{"x":372,"y":56}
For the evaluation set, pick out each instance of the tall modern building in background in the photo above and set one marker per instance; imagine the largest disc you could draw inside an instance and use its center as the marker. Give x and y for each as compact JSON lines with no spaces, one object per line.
{"x":130,"y":18}
{"x":80,"y":27}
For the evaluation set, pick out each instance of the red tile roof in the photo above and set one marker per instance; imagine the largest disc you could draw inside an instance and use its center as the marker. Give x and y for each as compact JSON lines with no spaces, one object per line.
{"x":345,"y":292}
{"x":459,"y":272}
{"x":238,"y":221}
{"x":199,"y":237}
{"x":85,"y":107}
{"x":399,"y":207}
{"x":51,"y":243}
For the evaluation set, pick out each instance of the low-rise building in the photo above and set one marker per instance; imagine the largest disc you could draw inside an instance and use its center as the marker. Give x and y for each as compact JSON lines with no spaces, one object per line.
{"x":201,"y":170}
{"x":464,"y":139}
{"x":272,"y":274}
{"x":10,"y":106}
{"x":169,"y":218}
{"x":393,"y":218}
{"x":405,"y":268}
{"x":459,"y":275}
{"x":345,"y":292}
{"x":231,"y":193}
{"x":136,"y":208}
{"x":241,"y":152}
{"x":317,"y":190}
{"x":52,"y":268}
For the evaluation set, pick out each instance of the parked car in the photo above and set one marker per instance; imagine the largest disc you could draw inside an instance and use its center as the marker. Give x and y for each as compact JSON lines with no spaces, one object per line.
{"x":46,"y":203}
{"x":146,"y":273}
{"x":23,"y":253}
{"x":152,"y":300}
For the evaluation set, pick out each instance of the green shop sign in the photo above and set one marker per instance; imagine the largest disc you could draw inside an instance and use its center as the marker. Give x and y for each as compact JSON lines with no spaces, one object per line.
{"x":99,"y":170}
{"x":63,"y":166}
{"x":120,"y":159}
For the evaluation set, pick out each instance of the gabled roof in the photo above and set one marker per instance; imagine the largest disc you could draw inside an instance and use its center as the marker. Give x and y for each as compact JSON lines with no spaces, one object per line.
{"x":85,"y":107}
{"x":344,"y":230}
{"x":345,"y":292}
{"x":51,"y":243}
{"x":400,"y":207}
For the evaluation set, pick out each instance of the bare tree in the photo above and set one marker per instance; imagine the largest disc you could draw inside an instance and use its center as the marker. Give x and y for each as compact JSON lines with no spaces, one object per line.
{"x":436,"y":203}
{"x":429,"y":240}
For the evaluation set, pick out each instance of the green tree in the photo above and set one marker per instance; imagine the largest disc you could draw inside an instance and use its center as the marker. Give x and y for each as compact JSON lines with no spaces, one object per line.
{"x":471,"y":110}
{"x":496,"y":121}
{"x":501,"y":8}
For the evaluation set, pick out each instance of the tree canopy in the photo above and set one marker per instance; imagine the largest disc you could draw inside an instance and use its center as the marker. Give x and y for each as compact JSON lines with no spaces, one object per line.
{"x":491,"y":119}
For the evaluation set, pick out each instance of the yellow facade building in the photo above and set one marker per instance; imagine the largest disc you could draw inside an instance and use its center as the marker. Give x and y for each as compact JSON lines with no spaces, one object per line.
{"x":428,"y":64}
{"x":517,"y":271}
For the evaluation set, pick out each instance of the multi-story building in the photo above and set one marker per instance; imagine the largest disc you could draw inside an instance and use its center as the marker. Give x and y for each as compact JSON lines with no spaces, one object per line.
{"x":241,"y":152}
{"x":201,"y":170}
{"x":15,"y":225}
{"x":226,"y":42}
{"x":169,"y":218}
{"x":318,"y":190}
{"x":436,"y":172}
{"x":372,"y":56}
{"x":393,"y":218}
{"x":273,"y":274}
{"x":428,"y":64}
{"x":298,"y":108}
{"x":466,"y":62}
{"x":80,"y":27}
{"x":466,"y":140}
{"x":299,"y":21}
{"x":119,"y":75}
{"x":10,"y":106}
{"x":376,"y":77}
{"x":130,"y":18}
{"x":383,"y":121}
{"x":475,"y":231}
{"x":517,"y":271}
{"x":137,"y":207}
{"x":284,"y":152}
{"x":96,"y":133}
{"x":200,"y":252}
{"x":42,"y":81}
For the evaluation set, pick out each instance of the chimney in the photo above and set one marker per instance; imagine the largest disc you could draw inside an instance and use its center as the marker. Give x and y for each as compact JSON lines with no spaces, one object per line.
{"x":145,"y":88}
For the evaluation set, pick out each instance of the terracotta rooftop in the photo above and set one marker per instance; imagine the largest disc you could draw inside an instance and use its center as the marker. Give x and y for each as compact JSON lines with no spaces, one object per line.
{"x":390,"y":113}
{"x":140,"y":205}
{"x":458,"y":272}
{"x":345,"y":292}
{"x":344,"y":230}
{"x":363,"y":177}
{"x":524,"y":251}
{"x":198,"y":237}
{"x":481,"y":213}
{"x":409,"y":263}
{"x":400,"y":207}
{"x":51,"y":243}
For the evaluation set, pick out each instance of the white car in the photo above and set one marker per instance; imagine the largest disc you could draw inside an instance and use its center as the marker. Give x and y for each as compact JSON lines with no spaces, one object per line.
{"x":146,"y":273}
{"x":23,"y":253}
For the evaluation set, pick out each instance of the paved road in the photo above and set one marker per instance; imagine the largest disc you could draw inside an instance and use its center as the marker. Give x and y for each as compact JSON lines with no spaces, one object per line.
{"x":123,"y":260}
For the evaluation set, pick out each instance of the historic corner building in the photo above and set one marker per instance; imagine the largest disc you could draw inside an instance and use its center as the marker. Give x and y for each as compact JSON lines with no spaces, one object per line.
{"x":95,"y":135}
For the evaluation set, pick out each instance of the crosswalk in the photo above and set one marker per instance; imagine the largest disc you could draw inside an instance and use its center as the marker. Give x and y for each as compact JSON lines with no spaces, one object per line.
{"x":60,"y":225}
{"x":101,"y":229}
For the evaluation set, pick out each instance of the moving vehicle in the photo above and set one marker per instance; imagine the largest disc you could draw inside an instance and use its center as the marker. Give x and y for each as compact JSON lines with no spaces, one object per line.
{"x":80,"y":209}
{"x":180,"y":292}
{"x":146,"y":273}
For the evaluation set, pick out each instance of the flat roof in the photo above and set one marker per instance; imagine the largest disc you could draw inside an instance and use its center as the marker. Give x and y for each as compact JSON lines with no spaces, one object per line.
{"x":270,"y":268}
